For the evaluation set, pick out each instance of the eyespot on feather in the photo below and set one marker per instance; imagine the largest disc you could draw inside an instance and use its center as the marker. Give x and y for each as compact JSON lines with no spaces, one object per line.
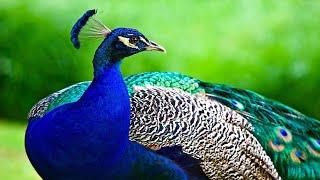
{"x":283,"y":134}
{"x":237,"y":104}
{"x":275,"y":145}
{"x":298,"y":156}
{"x":314,"y":147}
{"x":315,"y":143}
{"x":313,"y":151}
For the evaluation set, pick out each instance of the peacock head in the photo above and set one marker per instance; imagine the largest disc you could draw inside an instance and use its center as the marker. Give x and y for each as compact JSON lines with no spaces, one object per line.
{"x":117,"y":44}
{"x":126,"y":42}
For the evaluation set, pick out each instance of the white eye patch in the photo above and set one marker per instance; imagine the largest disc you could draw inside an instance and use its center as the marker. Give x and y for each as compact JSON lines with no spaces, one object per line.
{"x":126,"y":42}
{"x":143,"y":40}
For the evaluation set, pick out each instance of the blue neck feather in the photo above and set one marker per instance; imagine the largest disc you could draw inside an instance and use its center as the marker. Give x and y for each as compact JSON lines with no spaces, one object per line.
{"x":102,"y":59}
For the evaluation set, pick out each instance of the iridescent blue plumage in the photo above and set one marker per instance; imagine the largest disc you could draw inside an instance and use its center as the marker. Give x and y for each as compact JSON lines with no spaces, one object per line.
{"x":88,"y":139}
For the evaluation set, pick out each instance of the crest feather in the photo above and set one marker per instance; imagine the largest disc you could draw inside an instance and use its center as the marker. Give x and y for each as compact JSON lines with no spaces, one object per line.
{"x":88,"y":27}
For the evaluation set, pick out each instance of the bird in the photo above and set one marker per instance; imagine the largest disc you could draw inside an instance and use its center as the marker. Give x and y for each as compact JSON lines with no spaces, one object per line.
{"x":89,"y":138}
{"x":212,"y":131}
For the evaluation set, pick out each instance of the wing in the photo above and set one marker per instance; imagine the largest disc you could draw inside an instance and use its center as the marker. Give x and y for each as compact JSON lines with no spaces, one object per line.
{"x":233,"y":132}
{"x":205,"y":129}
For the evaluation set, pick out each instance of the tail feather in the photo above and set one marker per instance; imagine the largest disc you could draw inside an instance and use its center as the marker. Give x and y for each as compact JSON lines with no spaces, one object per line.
{"x":290,"y":138}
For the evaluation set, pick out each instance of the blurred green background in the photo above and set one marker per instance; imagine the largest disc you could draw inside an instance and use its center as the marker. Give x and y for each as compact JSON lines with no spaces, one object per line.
{"x":271,"y":46}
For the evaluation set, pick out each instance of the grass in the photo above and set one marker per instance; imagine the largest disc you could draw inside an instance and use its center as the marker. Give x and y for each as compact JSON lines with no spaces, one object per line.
{"x":14,"y":162}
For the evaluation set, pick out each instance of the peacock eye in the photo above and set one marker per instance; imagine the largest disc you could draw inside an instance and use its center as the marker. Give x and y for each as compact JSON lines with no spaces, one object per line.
{"x":133,"y":40}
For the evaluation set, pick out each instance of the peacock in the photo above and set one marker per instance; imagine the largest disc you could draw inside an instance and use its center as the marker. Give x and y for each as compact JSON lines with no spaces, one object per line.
{"x":89,"y":138}
{"x":203,"y":130}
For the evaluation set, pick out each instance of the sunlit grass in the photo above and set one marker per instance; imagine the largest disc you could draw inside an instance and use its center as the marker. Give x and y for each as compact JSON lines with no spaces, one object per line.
{"x":14,"y":164}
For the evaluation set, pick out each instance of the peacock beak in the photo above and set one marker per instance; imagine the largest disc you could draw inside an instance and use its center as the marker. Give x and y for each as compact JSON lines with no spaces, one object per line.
{"x":152,"y":46}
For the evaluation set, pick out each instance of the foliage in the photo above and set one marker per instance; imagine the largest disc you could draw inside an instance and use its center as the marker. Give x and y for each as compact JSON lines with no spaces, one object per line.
{"x":271,"y":47}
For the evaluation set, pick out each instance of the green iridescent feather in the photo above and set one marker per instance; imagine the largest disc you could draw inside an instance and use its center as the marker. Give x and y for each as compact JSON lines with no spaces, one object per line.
{"x":290,"y":138}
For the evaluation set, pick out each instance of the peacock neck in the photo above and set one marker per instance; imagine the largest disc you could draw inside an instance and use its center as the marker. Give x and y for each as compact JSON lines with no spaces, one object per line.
{"x":107,"y":82}
{"x":103,"y":61}
{"x":106,"y":103}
